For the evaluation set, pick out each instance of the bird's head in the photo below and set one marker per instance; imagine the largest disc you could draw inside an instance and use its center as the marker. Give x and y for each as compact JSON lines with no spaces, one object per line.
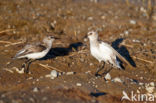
{"x":92,"y":35}
{"x":49,"y":38}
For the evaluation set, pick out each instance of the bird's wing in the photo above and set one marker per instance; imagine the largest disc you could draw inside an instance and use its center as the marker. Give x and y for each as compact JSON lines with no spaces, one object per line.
{"x":28,"y":49}
{"x":118,"y":55}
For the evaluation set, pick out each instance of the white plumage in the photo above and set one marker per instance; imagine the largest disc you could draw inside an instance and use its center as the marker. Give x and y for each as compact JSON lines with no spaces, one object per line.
{"x":103,"y":51}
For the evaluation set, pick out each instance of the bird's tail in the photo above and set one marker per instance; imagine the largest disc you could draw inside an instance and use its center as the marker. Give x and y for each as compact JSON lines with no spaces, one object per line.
{"x":123,"y":59}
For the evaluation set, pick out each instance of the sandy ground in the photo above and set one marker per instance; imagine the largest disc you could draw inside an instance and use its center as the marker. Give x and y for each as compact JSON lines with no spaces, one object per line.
{"x":126,"y":27}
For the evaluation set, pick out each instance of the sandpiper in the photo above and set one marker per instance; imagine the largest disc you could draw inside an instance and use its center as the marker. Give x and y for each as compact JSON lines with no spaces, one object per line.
{"x":34,"y":51}
{"x":104,"y":53}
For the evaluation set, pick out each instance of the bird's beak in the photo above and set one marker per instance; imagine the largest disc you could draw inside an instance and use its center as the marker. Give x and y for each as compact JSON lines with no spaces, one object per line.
{"x":85,"y":37}
{"x":56,"y":38}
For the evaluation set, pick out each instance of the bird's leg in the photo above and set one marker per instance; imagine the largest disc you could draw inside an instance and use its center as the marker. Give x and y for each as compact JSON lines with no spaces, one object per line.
{"x":107,"y":71}
{"x":100,"y":67}
{"x":24,"y":64}
{"x":28,"y":64}
{"x":26,"y":70}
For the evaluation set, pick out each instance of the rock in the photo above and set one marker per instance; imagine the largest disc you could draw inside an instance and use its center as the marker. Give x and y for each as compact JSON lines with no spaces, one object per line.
{"x":152,"y":84}
{"x":108,"y":76}
{"x":132,"y":22}
{"x":53,"y":74}
{"x":70,"y":73}
{"x":90,"y":64}
{"x":117,"y":79}
{"x":90,"y":18}
{"x":78,"y":84}
{"x":18,"y":70}
{"x":35,"y":89}
{"x":150,"y":89}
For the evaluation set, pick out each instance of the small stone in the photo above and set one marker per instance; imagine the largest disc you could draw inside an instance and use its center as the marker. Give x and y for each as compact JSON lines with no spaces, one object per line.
{"x":35,"y":89}
{"x":108,"y":76}
{"x":85,"y":39}
{"x":117,"y":79}
{"x":88,"y":72}
{"x":81,"y":59}
{"x":78,"y":84}
{"x":70,"y":73}
{"x":91,"y":64}
{"x":53,"y":74}
{"x":126,"y":33}
{"x":141,"y":84}
{"x":150,"y":89}
{"x":132,"y":22}
{"x":18,"y":70}
{"x":103,"y":17}
{"x":90,"y":18}
{"x":152,"y":84}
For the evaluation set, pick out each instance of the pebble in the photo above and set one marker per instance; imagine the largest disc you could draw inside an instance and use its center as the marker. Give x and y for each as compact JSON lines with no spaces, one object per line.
{"x":35,"y":89}
{"x":152,"y":84}
{"x":150,"y":89}
{"x":19,"y":71}
{"x":53,"y":74}
{"x":108,"y":76}
{"x":103,"y":17}
{"x":70,"y":73}
{"x":85,"y":39}
{"x":132,"y":22}
{"x":126,"y":33}
{"x":91,"y":64}
{"x":78,"y":84}
{"x":136,"y":41}
{"x":117,"y":79}
{"x":90,"y":18}
{"x":141,"y":84}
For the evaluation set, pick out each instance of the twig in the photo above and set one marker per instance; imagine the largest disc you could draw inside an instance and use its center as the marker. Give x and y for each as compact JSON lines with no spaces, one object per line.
{"x":7,"y":30}
{"x":7,"y":42}
{"x":143,"y":60}
{"x":13,"y":44}
{"x":48,"y":67}
{"x":79,"y":52}
{"x":130,"y":46}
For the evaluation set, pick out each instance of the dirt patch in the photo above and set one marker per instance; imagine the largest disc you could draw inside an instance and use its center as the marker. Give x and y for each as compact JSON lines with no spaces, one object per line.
{"x":126,"y":27}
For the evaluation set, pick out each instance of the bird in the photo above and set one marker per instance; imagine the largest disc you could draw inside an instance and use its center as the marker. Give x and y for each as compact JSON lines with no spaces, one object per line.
{"x":104,"y":53}
{"x":35,"y":51}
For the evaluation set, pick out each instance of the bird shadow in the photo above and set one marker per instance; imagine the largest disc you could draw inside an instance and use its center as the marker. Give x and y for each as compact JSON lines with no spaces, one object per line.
{"x":122,"y":50}
{"x":60,"y":51}
{"x":97,"y":94}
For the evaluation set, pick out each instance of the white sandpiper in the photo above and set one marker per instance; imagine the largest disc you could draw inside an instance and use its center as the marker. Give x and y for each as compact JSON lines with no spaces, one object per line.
{"x":104,"y":53}
{"x":35,"y":51}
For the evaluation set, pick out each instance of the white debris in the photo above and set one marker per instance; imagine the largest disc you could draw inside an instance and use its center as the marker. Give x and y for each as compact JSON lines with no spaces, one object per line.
{"x":132,"y":22}
{"x":8,"y":70}
{"x":53,"y":74}
{"x":87,"y":72}
{"x":117,"y":79}
{"x":126,"y":32}
{"x":108,"y":76}
{"x":35,"y":89}
{"x":103,"y":17}
{"x":136,"y":41}
{"x":141,"y":84}
{"x":69,"y":73}
{"x":150,"y":87}
{"x":78,"y":84}
{"x":90,"y":18}
{"x":152,"y":84}
{"x":18,"y":71}
{"x":48,"y":76}
{"x":90,"y":64}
